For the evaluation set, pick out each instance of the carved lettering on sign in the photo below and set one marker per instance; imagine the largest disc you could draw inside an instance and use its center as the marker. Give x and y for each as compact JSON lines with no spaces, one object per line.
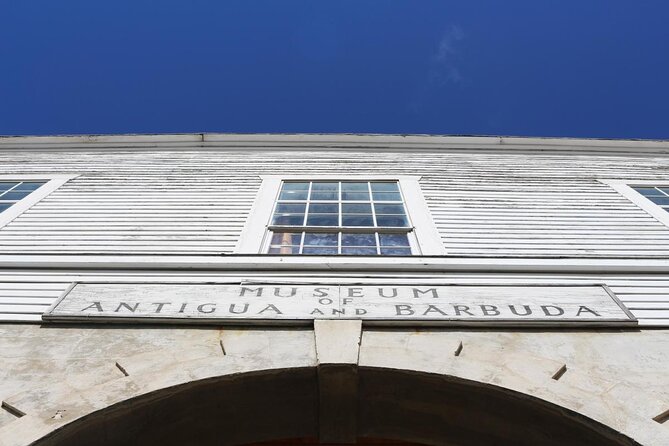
{"x":375,"y":303}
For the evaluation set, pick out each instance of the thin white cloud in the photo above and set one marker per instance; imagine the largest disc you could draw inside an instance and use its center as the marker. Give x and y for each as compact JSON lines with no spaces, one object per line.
{"x":443,"y":68}
{"x":446,"y":45}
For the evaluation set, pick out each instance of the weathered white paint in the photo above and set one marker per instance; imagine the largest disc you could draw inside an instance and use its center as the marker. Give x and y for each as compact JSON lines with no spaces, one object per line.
{"x":424,"y":235}
{"x":180,"y":201}
{"x":384,"y":303}
{"x":190,"y":202}
{"x":53,"y":182}
{"x":355,"y":142}
{"x":46,"y":286}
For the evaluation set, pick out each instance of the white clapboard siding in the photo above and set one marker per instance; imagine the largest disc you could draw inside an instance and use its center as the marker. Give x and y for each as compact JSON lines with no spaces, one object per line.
{"x":197,"y":201}
{"x":25,"y":301}
{"x":647,"y":297}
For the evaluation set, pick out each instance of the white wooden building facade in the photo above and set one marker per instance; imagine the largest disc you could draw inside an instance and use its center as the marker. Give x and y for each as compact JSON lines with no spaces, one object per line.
{"x":194,"y":209}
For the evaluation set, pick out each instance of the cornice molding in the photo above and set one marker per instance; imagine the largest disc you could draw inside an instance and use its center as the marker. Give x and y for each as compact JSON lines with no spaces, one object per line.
{"x":349,"y":142}
{"x":341,"y":263}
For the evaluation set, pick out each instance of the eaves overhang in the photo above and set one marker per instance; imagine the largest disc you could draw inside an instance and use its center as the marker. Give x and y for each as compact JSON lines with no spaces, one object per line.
{"x":345,"y":142}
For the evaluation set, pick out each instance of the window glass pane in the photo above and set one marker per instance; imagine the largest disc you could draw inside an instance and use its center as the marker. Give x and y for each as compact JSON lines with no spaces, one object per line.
{"x":665,"y":190}
{"x":324,"y":196}
{"x":358,"y":239}
{"x":296,"y":186}
{"x":4,"y":206}
{"x":647,"y":191}
{"x":28,"y":186}
{"x":6,"y":186}
{"x":286,"y":238}
{"x":349,"y":204}
{"x":357,"y":220}
{"x":320,"y":208}
{"x":285,"y":208}
{"x":393,"y":240}
{"x":387,"y":196}
{"x":324,"y":191}
{"x":397,"y":209}
{"x":325,"y":187}
{"x":284,"y":250}
{"x":657,"y":200}
{"x":395,"y":251}
{"x":354,"y":187}
{"x":319,"y":250}
{"x":385,"y":187}
{"x":288,"y":220}
{"x":356,"y":208}
{"x":321,"y":239}
{"x":293,"y":195}
{"x":323,"y":220}
{"x":392,"y":220}
{"x":14,"y":195}
{"x":359,"y":251}
{"x":355,"y":196}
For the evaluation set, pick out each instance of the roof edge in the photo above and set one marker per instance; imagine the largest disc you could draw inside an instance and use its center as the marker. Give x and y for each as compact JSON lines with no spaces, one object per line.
{"x":267,"y":141}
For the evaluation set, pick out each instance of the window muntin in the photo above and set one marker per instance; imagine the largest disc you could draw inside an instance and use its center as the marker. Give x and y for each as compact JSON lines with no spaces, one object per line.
{"x":11,"y":192}
{"x":346,"y":243}
{"x":340,"y":204}
{"x":340,"y":217}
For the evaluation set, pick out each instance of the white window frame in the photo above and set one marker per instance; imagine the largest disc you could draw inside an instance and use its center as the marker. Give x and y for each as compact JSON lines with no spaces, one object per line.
{"x":624,"y":188}
{"x":425,"y":234}
{"x":52,"y":182}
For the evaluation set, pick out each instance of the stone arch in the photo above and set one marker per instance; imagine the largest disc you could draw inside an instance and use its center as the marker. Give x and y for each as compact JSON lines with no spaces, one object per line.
{"x":395,"y":404}
{"x":336,"y":384}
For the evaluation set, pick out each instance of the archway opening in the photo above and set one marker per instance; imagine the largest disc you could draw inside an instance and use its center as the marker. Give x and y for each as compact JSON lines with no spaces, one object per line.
{"x":280,"y":407}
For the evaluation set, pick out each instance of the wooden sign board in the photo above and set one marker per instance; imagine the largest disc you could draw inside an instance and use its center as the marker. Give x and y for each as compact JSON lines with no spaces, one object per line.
{"x":381,"y":304}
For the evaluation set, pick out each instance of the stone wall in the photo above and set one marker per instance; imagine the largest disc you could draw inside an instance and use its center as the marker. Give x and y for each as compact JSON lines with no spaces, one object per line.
{"x":52,"y":376}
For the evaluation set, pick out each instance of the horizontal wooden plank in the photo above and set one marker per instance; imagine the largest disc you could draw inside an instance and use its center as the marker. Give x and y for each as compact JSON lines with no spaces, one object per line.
{"x":592,"y":237}
{"x":651,"y":314}
{"x":143,"y":219}
{"x":106,"y":249}
{"x":103,"y":236}
{"x":643,"y":297}
{"x":552,"y":221}
{"x":29,"y":293}
{"x":31,"y":285}
{"x":115,"y":243}
{"x":203,"y":200}
{"x":102,"y":207}
{"x":578,"y":253}
{"x":486,"y":224}
{"x":26,"y":301}
{"x":124,"y":232}
{"x":136,"y":228}
{"x":501,"y":243}
{"x":616,"y":282}
{"x":37,"y":211}
{"x":95,"y":224}
{"x":654,"y":323}
{"x":642,"y":290}
{"x":550,"y":230}
{"x":633,"y":306}
{"x":23,"y":309}
{"x":17,"y":317}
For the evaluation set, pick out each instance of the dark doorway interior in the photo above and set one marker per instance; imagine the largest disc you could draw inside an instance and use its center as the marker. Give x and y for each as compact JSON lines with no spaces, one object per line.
{"x":404,"y":407}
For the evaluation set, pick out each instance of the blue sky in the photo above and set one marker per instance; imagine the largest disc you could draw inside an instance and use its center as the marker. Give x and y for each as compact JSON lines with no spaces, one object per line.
{"x":580,"y":68}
